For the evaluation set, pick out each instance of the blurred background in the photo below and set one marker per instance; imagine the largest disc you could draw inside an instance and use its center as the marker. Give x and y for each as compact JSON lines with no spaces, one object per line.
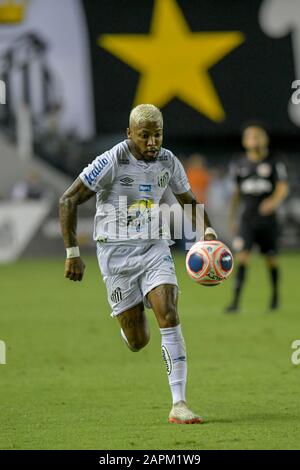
{"x":71,"y":71}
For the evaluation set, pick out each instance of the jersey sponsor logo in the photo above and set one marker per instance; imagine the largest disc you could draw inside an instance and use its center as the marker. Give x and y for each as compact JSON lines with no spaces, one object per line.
{"x":256,"y":186}
{"x":139,"y":214}
{"x":264,"y":170}
{"x":116,"y":296}
{"x":167,"y":359}
{"x":126,"y":181}
{"x":145,"y":187}
{"x":163,"y":178}
{"x":97,"y":168}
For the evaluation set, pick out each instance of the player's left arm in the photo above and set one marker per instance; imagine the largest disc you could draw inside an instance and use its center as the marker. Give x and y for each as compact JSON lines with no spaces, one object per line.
{"x":271,"y":203}
{"x":189,"y":198}
{"x":281,"y":191}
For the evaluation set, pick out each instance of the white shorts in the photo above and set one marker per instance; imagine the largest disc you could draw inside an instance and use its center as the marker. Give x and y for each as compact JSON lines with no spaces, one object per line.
{"x":131,"y":271}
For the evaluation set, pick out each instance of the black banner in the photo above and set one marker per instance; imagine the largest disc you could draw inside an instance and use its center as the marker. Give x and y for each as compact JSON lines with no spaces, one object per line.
{"x":143,"y":458}
{"x":209,"y":65}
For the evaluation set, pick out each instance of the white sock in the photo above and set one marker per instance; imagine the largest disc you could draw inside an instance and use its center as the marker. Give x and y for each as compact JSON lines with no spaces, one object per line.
{"x":174,"y":355}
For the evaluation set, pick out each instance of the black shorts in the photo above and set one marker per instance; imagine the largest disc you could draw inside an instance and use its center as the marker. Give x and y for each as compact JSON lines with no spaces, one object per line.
{"x":262,"y":232}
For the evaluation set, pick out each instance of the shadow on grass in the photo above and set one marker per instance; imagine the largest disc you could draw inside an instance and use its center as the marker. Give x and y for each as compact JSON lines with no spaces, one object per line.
{"x":255,"y":419}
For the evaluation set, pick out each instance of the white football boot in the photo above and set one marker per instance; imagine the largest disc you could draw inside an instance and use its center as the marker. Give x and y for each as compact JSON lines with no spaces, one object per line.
{"x":181,"y":414}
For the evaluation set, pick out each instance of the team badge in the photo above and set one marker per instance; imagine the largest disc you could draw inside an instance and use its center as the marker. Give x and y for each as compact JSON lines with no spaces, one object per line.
{"x":163,"y":178}
{"x":264,"y":170}
{"x":116,"y":296}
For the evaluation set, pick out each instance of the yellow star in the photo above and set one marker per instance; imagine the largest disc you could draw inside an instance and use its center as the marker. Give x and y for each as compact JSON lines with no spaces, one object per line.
{"x":173,"y":61}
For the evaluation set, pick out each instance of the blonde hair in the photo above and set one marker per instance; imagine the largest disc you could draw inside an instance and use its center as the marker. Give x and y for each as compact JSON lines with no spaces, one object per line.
{"x":145,"y":112}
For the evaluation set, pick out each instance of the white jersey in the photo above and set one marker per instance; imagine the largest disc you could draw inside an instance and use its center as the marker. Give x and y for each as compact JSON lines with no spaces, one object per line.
{"x":129,"y":191}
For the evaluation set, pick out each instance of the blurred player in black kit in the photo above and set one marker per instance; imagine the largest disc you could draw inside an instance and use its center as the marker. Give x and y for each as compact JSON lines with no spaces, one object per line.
{"x":261,"y":186}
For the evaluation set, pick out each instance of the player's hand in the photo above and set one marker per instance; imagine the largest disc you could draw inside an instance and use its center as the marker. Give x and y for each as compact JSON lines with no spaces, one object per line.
{"x":267,"y":207}
{"x":233,"y":227}
{"x":74,"y":269}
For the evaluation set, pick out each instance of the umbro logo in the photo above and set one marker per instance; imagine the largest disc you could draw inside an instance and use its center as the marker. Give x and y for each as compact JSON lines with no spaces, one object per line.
{"x":126,"y":181}
{"x":116,"y":296}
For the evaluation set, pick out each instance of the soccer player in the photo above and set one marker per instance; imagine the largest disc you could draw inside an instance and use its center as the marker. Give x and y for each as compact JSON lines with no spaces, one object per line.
{"x":137,"y":269}
{"x":261,"y":185}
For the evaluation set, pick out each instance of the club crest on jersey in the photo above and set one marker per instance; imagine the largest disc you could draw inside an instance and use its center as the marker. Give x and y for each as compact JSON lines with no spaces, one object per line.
{"x":163,"y":178}
{"x":264,"y":170}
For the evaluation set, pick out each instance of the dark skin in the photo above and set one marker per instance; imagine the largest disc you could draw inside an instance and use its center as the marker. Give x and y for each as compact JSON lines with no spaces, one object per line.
{"x":145,"y":141}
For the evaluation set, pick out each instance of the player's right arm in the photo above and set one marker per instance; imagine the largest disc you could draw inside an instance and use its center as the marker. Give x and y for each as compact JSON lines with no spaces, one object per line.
{"x":75,"y":195}
{"x":233,"y":207}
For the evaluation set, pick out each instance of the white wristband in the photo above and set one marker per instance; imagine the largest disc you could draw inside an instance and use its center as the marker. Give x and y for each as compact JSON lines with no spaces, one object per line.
{"x":210,"y":231}
{"x":73,"y":252}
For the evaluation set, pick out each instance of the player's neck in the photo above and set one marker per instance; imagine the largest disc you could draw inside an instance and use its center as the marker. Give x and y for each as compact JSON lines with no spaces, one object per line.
{"x":257,"y":155}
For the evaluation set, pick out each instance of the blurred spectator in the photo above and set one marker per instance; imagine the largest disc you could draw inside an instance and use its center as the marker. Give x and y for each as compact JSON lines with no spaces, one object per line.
{"x":32,"y":187}
{"x":198,"y":176}
{"x":48,"y":124}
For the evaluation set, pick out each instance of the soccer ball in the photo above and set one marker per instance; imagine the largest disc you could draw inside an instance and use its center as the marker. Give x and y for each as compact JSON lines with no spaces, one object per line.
{"x":209,"y":262}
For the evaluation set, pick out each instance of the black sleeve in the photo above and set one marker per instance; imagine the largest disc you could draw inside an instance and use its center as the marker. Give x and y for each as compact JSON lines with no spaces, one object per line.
{"x":279,"y":169}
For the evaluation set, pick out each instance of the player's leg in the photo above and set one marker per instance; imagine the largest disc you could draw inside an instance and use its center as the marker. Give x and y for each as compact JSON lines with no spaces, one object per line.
{"x":242,"y":244}
{"x":272,"y":265}
{"x":134,"y":327}
{"x":243,"y":259}
{"x":163,"y":301}
{"x":266,"y":238}
{"x":268,"y":246}
{"x":126,"y":301}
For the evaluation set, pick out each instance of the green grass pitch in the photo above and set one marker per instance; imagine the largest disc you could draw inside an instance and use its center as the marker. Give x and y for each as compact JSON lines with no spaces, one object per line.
{"x":71,"y":383}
